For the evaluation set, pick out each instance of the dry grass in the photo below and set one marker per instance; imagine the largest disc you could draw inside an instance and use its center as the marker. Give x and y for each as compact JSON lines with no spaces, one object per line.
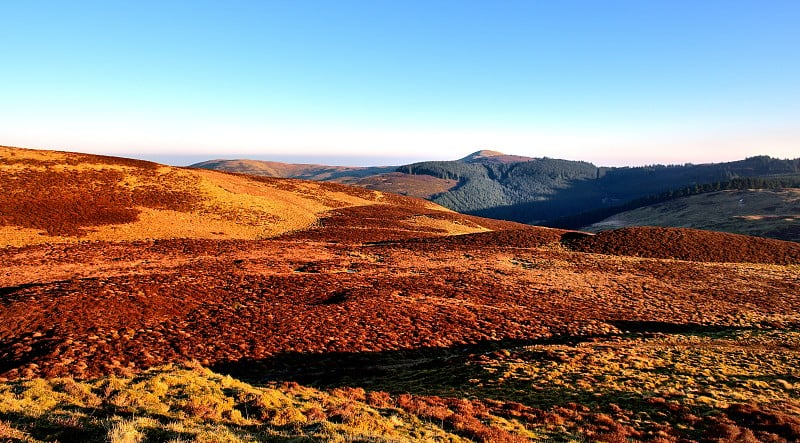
{"x":48,"y":196}
{"x":190,"y":403}
{"x":687,"y":244}
{"x":726,"y":386}
{"x":765,"y":213}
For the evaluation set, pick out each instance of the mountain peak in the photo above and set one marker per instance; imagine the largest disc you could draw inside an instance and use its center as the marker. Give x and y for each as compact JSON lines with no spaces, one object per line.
{"x":488,"y":156}
{"x":484,"y":153}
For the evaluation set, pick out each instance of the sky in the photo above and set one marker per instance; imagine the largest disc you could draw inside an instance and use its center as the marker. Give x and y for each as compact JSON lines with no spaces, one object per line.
{"x":388,"y":82}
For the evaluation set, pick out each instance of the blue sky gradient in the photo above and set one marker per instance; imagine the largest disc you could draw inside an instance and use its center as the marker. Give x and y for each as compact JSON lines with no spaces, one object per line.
{"x":613,"y":82}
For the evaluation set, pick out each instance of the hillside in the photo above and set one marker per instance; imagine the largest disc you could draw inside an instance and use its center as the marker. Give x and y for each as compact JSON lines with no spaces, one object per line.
{"x":685,"y":244}
{"x":48,"y":196}
{"x":529,"y":190}
{"x":339,"y":174}
{"x":771,"y":213}
{"x":420,"y":186}
{"x":542,"y":190}
{"x":212,"y":306}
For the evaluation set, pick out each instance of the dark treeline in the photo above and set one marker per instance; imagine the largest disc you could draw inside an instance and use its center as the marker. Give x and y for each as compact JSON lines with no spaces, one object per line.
{"x":491,"y":185}
{"x":578,"y":221}
{"x":545,"y":190}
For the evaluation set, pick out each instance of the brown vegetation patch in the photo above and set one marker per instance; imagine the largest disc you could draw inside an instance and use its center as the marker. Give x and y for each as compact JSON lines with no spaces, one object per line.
{"x":54,"y":196}
{"x":768,"y":424}
{"x":72,"y":201}
{"x":421,"y":186}
{"x":463,"y":416}
{"x":99,"y":307}
{"x":687,"y":244}
{"x":386,"y":222}
{"x":529,"y":237}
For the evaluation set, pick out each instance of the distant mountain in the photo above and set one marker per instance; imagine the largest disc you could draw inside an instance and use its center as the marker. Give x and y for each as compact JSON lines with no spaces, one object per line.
{"x":524,"y":189}
{"x":339,"y":174}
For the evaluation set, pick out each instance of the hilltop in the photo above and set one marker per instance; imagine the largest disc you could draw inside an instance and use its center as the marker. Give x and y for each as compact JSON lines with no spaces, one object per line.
{"x":490,"y":156}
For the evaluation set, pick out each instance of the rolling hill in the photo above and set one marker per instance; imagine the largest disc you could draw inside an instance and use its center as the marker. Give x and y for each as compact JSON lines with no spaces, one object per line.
{"x":771,"y":213}
{"x":339,"y":174}
{"x":48,"y":196}
{"x":543,"y":190}
{"x":140,"y":302}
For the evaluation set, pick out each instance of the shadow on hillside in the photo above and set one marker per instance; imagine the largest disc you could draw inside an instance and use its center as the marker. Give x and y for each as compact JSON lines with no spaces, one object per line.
{"x":640,"y":326}
{"x":334,"y":369}
{"x":423,"y":371}
{"x":576,"y":197}
{"x":10,"y":290}
{"x":58,"y":427}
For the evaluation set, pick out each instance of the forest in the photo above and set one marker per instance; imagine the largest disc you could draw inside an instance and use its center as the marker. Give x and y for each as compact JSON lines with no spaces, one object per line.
{"x":566,"y":194}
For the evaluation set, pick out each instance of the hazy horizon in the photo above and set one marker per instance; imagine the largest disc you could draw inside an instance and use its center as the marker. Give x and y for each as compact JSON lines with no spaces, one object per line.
{"x":353,"y":160}
{"x":619,"y":83}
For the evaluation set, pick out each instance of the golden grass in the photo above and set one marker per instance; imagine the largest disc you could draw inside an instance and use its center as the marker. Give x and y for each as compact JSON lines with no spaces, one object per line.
{"x":451,"y":227}
{"x":224,"y":206}
{"x":652,"y":387}
{"x":31,"y":154}
{"x":192,"y":403}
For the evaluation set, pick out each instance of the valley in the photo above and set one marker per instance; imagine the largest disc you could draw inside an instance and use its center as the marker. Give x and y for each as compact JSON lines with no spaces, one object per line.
{"x":572,"y":194}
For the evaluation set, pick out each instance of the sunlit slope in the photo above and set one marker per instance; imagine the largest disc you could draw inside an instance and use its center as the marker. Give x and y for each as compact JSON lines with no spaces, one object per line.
{"x":339,"y":174}
{"x":762,"y":212}
{"x":50,"y":196}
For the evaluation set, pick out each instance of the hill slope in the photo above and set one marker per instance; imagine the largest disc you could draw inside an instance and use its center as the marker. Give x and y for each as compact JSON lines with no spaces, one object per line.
{"x":771,"y":213}
{"x":420,"y":186}
{"x":540,"y":190}
{"x":527,"y":190}
{"x":686,"y":244}
{"x":48,"y":196}
{"x":339,"y":174}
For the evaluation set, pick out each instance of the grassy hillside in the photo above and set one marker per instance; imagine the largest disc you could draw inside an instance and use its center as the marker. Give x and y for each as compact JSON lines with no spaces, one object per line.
{"x":615,"y":389}
{"x":421,"y":186}
{"x":339,"y":174}
{"x":523,"y":189}
{"x":48,"y":196}
{"x":765,"y":213}
{"x":408,"y":340}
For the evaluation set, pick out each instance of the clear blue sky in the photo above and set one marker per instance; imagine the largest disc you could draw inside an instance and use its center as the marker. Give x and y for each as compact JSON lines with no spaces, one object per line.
{"x":613,"y":82}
